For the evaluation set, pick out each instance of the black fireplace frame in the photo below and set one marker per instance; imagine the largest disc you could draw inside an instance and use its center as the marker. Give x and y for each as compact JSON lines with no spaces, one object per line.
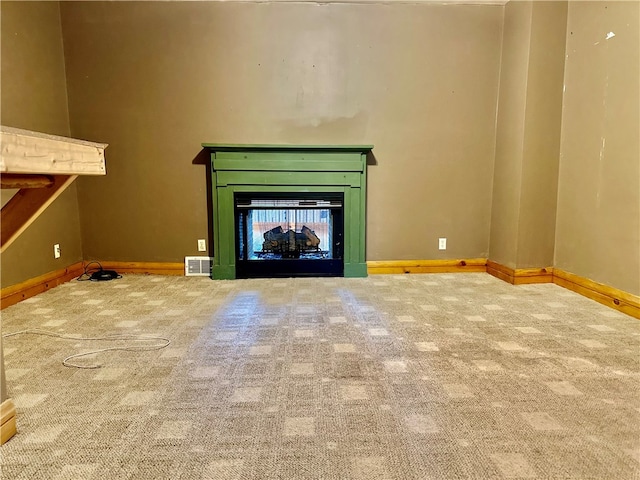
{"x":289,"y":267}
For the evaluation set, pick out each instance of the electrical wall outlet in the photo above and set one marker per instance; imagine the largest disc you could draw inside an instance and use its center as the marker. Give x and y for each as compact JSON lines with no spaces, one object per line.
{"x":442,"y":244}
{"x":202,"y":245}
{"x":56,"y":251}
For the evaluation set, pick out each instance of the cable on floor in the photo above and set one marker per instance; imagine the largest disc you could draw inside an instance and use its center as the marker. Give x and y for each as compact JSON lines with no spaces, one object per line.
{"x":97,"y":273}
{"x":164,"y":342}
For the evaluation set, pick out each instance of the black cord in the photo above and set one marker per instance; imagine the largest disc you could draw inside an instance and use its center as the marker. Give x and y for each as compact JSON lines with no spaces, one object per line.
{"x":87,"y":271}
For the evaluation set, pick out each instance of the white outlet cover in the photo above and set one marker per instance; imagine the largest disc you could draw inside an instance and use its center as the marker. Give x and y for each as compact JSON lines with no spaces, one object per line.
{"x":202,"y":245}
{"x":56,"y":250}
{"x":442,"y":243}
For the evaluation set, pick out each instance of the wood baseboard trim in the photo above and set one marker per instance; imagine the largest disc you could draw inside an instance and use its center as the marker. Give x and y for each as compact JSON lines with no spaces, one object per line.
{"x":21,"y":291}
{"x":612,"y":297}
{"x":520,"y":276}
{"x":153,"y":268}
{"x":29,"y":288}
{"x":502,"y":272}
{"x":7,"y":420}
{"x":426,"y":266}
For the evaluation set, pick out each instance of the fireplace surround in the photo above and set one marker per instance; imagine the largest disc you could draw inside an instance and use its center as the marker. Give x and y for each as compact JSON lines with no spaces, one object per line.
{"x":263,"y":197}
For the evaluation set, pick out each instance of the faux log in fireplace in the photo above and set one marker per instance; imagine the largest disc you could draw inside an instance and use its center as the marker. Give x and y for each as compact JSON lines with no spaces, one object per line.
{"x":288,"y":210}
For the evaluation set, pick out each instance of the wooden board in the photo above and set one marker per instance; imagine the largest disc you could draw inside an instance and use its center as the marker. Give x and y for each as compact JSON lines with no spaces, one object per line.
{"x":29,"y":288}
{"x":25,"y":206}
{"x":154,"y":268}
{"x":426,"y":266}
{"x":24,"y":180}
{"x":520,"y":276}
{"x":612,"y":297}
{"x":7,"y":420}
{"x":24,"y":151}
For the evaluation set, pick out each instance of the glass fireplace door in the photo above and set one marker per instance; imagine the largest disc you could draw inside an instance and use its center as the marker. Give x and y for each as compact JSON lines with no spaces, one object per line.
{"x":289,"y":235}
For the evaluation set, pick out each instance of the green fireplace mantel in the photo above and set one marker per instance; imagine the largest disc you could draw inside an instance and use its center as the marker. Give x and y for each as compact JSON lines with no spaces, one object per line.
{"x":288,"y":168}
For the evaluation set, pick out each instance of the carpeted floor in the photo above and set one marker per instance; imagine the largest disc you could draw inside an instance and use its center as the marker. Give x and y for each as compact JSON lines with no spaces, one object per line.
{"x":389,"y":377}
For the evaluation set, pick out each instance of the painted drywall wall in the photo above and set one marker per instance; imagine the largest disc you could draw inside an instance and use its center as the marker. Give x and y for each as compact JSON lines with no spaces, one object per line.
{"x":541,"y":147}
{"x":34,"y":97}
{"x":528,"y":134}
{"x":507,"y":175}
{"x":598,"y":221}
{"x":156,"y":79}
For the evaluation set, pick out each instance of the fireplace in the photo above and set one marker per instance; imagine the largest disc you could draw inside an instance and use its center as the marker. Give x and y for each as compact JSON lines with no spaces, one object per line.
{"x":288,"y":210}
{"x":289,"y":234}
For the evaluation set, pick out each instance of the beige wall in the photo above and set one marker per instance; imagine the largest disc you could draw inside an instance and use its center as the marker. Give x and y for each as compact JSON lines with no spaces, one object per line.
{"x":528,"y":134}
{"x":34,"y":96}
{"x":598,"y":222}
{"x":507,"y":175}
{"x":543,"y":118}
{"x":156,"y":79}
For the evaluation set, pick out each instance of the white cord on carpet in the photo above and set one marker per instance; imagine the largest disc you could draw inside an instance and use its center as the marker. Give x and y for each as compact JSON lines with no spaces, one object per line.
{"x":129,"y":348}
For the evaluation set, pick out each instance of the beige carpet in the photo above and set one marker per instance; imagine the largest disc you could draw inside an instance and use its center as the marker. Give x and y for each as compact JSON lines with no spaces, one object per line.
{"x":390,"y":377}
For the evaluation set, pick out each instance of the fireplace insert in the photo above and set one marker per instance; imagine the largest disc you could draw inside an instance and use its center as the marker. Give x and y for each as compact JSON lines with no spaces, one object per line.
{"x":289,"y":234}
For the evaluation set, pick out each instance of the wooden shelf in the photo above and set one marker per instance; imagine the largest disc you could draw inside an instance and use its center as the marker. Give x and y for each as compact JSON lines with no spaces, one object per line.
{"x":41,"y":166}
{"x":24,"y":151}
